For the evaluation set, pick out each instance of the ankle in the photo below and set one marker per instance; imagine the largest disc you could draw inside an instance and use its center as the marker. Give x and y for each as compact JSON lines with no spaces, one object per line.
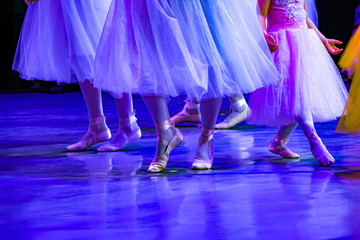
{"x":128,"y":125}
{"x":98,"y":124}
{"x":191,"y":108}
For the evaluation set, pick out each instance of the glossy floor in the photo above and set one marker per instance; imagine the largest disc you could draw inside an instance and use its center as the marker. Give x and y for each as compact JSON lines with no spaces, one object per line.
{"x":48,"y":193}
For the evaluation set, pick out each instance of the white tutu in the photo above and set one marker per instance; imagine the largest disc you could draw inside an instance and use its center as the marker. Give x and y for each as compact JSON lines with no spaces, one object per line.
{"x":170,"y":47}
{"x":310,"y":82}
{"x":58,"y":40}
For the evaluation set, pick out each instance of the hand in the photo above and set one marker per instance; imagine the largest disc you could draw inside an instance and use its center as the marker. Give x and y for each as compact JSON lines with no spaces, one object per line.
{"x":330,"y":45}
{"x":27,"y":2}
{"x":271,"y":42}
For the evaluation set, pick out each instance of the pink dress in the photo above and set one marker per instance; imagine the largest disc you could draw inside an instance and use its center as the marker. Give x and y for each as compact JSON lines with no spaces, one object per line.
{"x":310,"y":81}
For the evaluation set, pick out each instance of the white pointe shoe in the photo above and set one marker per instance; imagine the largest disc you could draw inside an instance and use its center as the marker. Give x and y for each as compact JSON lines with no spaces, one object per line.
{"x":160,"y":161}
{"x":319,"y":150}
{"x":205,"y":148}
{"x":190,"y":113}
{"x":235,"y":117}
{"x":91,"y":137}
{"x":121,"y":139}
{"x":277,"y":146}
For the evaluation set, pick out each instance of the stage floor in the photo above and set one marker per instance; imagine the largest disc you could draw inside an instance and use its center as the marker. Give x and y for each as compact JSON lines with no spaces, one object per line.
{"x":48,"y":193}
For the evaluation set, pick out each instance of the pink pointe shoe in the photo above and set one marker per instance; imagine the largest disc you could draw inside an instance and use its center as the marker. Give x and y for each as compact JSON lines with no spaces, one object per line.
{"x":92,"y":136}
{"x":277,"y":146}
{"x":121,"y":139}
{"x":205,"y":152}
{"x":319,"y":150}
{"x":160,"y":161}
{"x":190,"y":113}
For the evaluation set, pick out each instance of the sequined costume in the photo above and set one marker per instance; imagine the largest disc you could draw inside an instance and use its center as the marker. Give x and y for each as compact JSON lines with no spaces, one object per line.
{"x":310,"y":81}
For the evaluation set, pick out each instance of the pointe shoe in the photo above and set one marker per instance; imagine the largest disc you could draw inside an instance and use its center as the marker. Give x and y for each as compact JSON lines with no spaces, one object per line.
{"x":319,"y":150}
{"x":190,"y":113}
{"x":121,"y":139}
{"x":160,"y":161}
{"x":277,"y":146}
{"x":234,"y":117}
{"x":205,"y":147}
{"x":91,"y":137}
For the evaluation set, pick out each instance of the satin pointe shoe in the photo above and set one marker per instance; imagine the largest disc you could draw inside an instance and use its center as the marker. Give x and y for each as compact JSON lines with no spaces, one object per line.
{"x":98,"y":132}
{"x":160,"y":161}
{"x":190,"y":113}
{"x":122,"y":139}
{"x":277,"y":146}
{"x":319,"y":150}
{"x":205,"y":151}
{"x":235,"y":116}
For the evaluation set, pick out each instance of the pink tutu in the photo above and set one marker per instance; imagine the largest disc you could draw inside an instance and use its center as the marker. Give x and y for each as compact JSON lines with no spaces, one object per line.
{"x":310,"y":81}
{"x":58,"y":40}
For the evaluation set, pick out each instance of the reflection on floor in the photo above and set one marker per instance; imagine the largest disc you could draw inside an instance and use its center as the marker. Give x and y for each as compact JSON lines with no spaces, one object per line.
{"x":48,"y":193}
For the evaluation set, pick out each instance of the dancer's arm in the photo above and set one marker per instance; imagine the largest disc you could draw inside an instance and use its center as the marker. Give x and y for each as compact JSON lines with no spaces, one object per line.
{"x":330,"y":44}
{"x":264,"y":8}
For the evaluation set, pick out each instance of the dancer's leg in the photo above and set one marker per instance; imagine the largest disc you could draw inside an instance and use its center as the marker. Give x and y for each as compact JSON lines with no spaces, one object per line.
{"x":128,"y":130}
{"x":204,"y":153}
{"x":318,"y":149}
{"x":168,"y":136}
{"x":239,"y":112}
{"x":98,"y":131}
{"x":277,"y":145}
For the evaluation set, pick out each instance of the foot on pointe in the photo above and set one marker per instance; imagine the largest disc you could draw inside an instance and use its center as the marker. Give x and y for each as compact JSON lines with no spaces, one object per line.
{"x":168,"y":137}
{"x":205,"y":151}
{"x":319,"y":150}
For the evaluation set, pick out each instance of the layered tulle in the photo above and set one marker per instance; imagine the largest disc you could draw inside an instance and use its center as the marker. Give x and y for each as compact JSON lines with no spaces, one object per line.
{"x":350,"y":120}
{"x":350,"y":58}
{"x":58,"y":40}
{"x":230,"y":41}
{"x":169,"y":47}
{"x":310,"y":82}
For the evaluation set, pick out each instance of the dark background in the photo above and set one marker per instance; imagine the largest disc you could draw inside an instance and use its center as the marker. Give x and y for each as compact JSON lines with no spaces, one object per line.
{"x":336,"y":20}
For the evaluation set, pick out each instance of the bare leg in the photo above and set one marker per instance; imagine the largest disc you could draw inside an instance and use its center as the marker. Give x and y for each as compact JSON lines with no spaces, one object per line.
{"x":98,"y":131}
{"x":169,"y":137}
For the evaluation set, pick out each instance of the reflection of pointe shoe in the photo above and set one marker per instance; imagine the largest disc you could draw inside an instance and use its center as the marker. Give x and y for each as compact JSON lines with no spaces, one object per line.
{"x":190,"y":113}
{"x":205,"y":152}
{"x":92,"y":137}
{"x":160,"y":161}
{"x":235,"y":116}
{"x":319,"y":150}
{"x":121,"y":139}
{"x":277,"y":146}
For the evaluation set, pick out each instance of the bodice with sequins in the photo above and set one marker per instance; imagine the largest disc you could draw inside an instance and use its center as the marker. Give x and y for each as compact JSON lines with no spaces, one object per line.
{"x":286,"y":14}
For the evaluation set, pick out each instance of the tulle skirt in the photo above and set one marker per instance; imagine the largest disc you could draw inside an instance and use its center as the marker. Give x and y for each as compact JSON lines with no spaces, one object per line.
{"x":58,"y":40}
{"x":350,"y":58}
{"x":350,"y":120}
{"x":170,"y":47}
{"x":310,"y":82}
